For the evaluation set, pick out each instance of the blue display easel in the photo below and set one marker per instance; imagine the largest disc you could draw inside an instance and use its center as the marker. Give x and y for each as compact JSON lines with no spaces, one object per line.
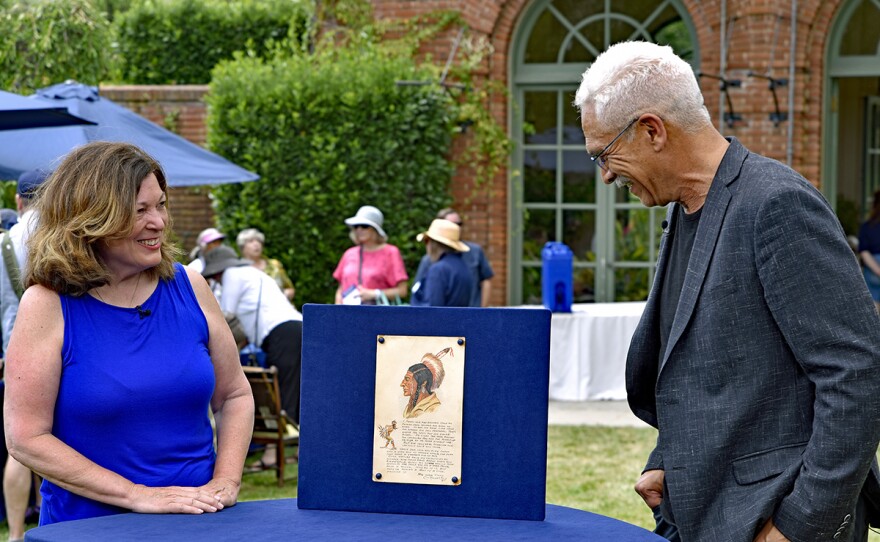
{"x":504,"y":425}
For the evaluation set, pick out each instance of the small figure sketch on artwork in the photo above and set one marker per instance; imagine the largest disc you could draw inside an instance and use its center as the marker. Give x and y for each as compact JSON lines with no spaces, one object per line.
{"x":420,"y":382}
{"x":385,"y":433}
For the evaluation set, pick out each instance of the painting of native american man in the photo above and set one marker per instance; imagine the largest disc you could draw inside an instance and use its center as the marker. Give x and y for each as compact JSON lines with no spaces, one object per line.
{"x":421,"y":382}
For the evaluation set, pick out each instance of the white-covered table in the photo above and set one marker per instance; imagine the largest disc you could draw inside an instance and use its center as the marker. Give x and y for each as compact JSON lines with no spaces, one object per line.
{"x":588,"y":350}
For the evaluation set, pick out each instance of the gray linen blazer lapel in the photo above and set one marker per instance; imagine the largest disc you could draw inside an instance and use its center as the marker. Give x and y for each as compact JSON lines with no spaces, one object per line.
{"x":704,"y":244}
{"x":643,"y":357}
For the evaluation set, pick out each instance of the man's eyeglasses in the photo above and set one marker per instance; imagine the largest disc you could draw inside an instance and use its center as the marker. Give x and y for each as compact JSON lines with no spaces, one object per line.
{"x":600,"y":158}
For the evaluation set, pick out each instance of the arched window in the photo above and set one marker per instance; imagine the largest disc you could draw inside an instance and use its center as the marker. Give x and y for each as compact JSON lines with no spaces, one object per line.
{"x":851,"y":171}
{"x":557,"y":195}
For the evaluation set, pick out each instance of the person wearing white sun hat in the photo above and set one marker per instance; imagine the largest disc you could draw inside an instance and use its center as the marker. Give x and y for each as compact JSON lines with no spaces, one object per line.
{"x":373,"y":267}
{"x":448,"y":282}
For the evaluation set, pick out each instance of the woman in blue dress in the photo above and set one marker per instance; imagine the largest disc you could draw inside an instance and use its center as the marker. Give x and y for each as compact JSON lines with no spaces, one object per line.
{"x":118,"y":352}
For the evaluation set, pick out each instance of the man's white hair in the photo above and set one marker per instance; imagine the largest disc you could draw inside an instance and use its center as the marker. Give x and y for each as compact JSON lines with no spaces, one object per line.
{"x":636,"y":77}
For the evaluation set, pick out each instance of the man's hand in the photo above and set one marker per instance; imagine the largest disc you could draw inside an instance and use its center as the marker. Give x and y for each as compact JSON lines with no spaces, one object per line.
{"x":769,"y":533}
{"x":650,"y":487}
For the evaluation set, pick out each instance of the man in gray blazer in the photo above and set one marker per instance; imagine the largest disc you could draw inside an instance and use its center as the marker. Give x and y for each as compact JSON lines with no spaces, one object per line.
{"x":758,"y":355}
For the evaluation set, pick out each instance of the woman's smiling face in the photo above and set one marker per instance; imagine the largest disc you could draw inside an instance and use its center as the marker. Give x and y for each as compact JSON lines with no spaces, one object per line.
{"x":141,"y":250}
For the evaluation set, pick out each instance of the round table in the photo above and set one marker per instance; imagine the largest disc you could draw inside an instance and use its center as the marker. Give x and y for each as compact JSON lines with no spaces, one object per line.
{"x":281,"y":520}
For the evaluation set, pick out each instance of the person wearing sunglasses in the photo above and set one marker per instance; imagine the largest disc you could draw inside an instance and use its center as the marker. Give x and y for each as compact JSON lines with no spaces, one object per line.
{"x":757,"y":357}
{"x":372,"y":270}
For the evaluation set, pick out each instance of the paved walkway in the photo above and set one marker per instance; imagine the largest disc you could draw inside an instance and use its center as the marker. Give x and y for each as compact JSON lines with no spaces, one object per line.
{"x":607,"y":413}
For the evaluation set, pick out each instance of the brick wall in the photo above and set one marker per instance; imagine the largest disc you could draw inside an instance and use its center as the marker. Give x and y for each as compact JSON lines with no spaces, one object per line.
{"x":484,"y":208}
{"x":754,"y":27}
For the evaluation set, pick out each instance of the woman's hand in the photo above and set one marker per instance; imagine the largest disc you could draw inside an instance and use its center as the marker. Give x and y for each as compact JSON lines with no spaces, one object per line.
{"x":368,"y":294}
{"x":175,"y":499}
{"x":224,"y":489}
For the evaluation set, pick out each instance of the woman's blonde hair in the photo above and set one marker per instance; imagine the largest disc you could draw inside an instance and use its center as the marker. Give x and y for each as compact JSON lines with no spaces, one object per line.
{"x":88,"y":200}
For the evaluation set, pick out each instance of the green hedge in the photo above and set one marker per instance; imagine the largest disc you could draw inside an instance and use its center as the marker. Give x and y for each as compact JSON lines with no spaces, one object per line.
{"x":46,"y":42}
{"x":328,"y":135}
{"x":180,"y":41}
{"x":148,"y":42}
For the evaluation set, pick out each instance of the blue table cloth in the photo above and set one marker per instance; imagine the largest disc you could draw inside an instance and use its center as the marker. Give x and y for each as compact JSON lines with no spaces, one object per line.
{"x":281,"y":520}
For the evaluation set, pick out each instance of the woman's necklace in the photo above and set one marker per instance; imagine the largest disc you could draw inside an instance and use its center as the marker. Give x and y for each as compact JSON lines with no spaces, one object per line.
{"x":130,"y":301}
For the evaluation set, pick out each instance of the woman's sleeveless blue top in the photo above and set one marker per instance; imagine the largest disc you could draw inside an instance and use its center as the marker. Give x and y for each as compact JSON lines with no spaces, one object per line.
{"x":134,"y":394}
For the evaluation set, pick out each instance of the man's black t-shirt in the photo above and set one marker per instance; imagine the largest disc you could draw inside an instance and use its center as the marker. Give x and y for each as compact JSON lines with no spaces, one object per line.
{"x":682,"y":239}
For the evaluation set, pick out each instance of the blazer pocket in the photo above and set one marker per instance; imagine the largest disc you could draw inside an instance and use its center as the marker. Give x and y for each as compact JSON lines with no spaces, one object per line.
{"x":758,"y":466}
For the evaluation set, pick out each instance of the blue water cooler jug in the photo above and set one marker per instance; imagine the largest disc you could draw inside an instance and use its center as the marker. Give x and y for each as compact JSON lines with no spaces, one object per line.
{"x":556,"y":276}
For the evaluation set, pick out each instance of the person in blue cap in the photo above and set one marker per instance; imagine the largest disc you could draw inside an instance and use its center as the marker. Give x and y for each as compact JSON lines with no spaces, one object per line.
{"x":16,"y":477}
{"x":8,"y":218}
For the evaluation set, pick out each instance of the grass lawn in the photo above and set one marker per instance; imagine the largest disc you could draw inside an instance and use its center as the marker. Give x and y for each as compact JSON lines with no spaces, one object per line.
{"x":594,"y":468}
{"x":590,"y":468}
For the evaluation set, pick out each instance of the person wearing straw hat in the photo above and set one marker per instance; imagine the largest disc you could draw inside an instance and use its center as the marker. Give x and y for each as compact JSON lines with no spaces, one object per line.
{"x":448,"y":282}
{"x":269,"y":321}
{"x":475,"y":259}
{"x":373,"y":268}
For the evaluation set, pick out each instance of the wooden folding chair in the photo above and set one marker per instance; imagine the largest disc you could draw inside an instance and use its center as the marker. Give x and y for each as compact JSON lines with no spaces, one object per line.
{"x":272,"y":425}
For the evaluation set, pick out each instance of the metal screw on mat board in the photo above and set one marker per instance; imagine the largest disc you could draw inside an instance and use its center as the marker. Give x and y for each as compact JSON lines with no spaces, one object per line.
{"x":381,"y":340}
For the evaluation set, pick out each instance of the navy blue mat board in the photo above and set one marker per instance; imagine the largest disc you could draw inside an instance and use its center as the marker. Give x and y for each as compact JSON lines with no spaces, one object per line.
{"x":281,"y":521}
{"x":504,"y":426}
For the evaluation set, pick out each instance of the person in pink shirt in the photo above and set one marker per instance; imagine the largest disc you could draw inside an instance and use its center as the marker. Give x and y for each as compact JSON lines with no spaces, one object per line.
{"x":373,"y":266}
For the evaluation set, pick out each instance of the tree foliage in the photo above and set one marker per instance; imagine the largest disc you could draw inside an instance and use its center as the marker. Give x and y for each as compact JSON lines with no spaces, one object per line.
{"x":305,"y":94}
{"x":45,"y":42}
{"x":138,"y":42}
{"x":328,"y":134}
{"x":329,"y":127}
{"x":180,"y":41}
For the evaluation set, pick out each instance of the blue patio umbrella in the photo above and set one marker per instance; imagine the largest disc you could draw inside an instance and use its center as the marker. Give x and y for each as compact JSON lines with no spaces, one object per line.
{"x":17,"y":112}
{"x":184,"y":163}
